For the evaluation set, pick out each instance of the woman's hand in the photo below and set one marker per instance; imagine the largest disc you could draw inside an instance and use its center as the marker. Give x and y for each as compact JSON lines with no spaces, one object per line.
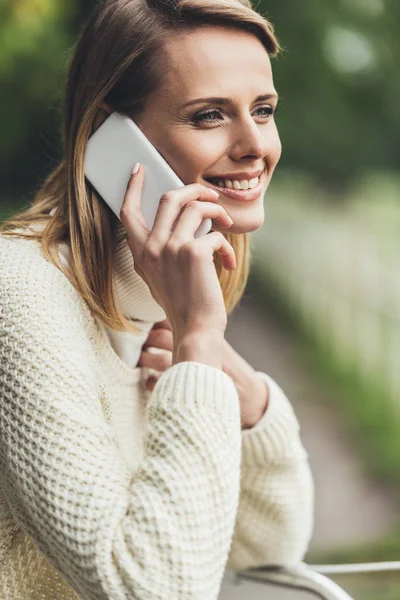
{"x":252,"y":390}
{"x":177,"y":267}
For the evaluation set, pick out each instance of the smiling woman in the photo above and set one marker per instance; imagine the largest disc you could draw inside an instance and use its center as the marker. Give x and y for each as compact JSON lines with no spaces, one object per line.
{"x":108,"y":492}
{"x":182,"y":51}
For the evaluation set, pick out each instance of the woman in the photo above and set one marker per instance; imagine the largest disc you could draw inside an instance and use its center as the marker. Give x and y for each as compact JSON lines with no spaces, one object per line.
{"x":109,"y":490}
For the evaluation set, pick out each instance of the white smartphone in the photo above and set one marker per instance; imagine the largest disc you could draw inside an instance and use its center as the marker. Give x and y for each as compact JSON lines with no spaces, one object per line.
{"x":111,"y":153}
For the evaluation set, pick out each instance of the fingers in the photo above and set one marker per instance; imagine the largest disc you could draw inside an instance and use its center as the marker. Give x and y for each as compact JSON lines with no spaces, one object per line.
{"x":162,"y":325}
{"x":160,"y":338}
{"x":168,"y":267}
{"x":159,"y":362}
{"x":151,"y":382}
{"x":216,"y":242}
{"x":193,"y":215}
{"x":170,"y":207}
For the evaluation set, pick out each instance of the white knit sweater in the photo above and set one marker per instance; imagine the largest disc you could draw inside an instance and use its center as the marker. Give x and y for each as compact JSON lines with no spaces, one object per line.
{"x":110,"y":492}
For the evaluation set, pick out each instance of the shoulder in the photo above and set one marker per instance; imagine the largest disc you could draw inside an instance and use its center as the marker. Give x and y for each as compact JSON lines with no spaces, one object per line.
{"x":22,"y":259}
{"x":34,"y":292}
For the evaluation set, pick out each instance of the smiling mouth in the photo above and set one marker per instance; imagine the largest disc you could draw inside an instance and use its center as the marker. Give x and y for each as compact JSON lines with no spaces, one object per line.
{"x":242,"y":195}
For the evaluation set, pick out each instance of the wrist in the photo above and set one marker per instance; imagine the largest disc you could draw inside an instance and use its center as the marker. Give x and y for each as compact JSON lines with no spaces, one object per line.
{"x":204,"y":347}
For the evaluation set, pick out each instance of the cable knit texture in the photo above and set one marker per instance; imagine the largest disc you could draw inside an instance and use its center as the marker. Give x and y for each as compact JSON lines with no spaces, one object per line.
{"x":110,"y":492}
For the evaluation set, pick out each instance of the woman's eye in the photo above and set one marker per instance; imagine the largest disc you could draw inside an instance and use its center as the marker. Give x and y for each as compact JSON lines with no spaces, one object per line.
{"x":204,"y":116}
{"x":208,"y":116}
{"x":270,"y":110}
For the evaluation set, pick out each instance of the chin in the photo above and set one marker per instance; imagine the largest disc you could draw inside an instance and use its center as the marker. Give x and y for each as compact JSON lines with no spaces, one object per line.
{"x":243,"y":223}
{"x":239,"y":226}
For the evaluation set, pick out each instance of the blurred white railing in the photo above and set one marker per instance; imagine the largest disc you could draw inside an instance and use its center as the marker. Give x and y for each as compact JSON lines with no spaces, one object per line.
{"x":296,"y":582}
{"x":342,"y":274}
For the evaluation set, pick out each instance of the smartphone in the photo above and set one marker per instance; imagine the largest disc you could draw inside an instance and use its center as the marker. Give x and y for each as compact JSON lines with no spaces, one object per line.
{"x":111,"y":153}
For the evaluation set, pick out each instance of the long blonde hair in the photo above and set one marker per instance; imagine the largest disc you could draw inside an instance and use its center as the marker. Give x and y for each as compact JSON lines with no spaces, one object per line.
{"x":115,"y":62}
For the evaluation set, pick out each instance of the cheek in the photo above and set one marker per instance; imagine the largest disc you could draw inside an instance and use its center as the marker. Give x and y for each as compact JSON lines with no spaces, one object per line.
{"x":189,"y":156}
{"x":275,"y":146}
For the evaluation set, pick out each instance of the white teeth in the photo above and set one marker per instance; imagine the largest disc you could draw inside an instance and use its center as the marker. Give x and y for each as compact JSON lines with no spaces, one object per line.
{"x":244,"y":184}
{"x":253,"y":182}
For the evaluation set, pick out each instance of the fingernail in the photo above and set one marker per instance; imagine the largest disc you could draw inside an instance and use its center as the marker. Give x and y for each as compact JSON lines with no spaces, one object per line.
{"x":135,"y":168}
{"x":214,"y":192}
{"x":229,"y":224}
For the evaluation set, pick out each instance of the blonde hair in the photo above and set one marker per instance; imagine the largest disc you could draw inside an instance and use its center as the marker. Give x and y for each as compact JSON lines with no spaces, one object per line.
{"x":115,"y":63}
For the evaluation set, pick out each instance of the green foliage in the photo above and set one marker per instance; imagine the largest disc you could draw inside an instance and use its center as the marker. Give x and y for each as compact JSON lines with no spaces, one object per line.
{"x":35,"y":36}
{"x":338,"y":78}
{"x":339,"y":84}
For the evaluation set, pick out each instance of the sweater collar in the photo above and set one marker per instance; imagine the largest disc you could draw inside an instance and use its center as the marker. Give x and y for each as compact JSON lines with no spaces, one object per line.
{"x":133,"y":295}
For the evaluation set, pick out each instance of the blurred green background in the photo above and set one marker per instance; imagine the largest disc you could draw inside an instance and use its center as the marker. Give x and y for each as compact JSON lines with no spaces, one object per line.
{"x":338,"y":79}
{"x":327,"y":261}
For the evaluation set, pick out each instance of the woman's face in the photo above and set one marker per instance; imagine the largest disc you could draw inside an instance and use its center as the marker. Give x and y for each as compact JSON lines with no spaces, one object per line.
{"x":232,"y":137}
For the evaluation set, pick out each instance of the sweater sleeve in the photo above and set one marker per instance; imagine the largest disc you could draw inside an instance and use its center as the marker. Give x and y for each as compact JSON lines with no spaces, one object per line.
{"x":161,"y":532}
{"x":275,"y":515}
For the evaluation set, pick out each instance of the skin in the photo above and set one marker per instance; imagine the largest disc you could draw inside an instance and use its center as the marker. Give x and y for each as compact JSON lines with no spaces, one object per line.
{"x":242,"y":136}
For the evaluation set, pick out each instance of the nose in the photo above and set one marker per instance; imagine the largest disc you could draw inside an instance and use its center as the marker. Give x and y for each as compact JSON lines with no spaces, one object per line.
{"x":251,"y":140}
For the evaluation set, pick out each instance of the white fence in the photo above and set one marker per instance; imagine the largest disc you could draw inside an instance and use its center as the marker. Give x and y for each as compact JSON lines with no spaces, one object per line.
{"x":342,"y":272}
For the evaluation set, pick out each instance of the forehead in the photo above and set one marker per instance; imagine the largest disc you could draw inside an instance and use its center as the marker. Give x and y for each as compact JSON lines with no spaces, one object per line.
{"x":215,"y":61}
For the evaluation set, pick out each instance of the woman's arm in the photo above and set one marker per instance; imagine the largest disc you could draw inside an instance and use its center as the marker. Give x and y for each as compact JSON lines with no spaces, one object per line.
{"x":275,"y":516}
{"x":163,"y":531}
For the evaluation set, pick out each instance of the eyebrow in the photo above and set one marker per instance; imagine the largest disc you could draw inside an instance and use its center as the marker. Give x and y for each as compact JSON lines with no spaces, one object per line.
{"x":218,"y":100}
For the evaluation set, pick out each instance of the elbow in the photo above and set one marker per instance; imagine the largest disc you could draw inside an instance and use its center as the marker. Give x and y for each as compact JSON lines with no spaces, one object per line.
{"x":280,"y":528}
{"x":294,"y":528}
